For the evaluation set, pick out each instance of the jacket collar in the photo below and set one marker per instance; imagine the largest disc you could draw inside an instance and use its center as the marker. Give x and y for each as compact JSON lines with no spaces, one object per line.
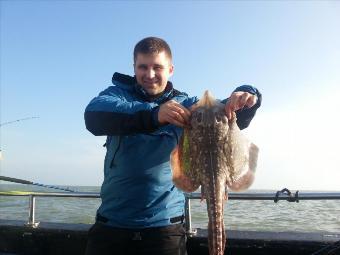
{"x":130,"y":83}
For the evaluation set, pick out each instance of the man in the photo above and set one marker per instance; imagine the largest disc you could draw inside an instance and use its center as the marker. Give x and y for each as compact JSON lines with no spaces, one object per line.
{"x":142,"y":117}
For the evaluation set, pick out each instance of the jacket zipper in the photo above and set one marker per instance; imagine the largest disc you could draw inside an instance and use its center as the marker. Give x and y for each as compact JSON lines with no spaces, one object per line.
{"x":114,"y":154}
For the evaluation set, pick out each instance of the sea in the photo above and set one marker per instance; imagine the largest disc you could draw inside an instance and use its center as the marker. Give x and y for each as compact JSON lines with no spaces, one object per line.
{"x":305,"y":216}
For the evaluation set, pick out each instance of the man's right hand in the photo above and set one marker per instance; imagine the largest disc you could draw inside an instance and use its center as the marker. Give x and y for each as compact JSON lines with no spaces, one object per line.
{"x":173,"y":113}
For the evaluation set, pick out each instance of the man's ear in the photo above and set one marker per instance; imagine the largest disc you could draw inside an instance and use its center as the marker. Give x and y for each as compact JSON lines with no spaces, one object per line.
{"x":171,"y":70}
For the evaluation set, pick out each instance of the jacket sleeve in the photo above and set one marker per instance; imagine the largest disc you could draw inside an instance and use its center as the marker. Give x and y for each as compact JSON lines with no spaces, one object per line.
{"x":111,"y":114}
{"x":245,"y":115}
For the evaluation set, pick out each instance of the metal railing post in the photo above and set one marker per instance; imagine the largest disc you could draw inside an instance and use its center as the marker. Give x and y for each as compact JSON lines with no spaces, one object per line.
{"x":31,"y":213}
{"x":188,"y":228}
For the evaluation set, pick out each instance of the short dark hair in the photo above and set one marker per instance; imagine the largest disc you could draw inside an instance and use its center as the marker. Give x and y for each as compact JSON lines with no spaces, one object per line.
{"x":151,"y":45}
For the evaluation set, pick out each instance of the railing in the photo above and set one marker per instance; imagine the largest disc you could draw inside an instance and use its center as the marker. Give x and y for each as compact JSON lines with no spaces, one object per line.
{"x":284,"y":194}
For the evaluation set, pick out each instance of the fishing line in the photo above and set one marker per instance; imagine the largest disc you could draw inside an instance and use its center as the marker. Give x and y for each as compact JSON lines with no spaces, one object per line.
{"x":21,"y":181}
{"x":333,"y":247}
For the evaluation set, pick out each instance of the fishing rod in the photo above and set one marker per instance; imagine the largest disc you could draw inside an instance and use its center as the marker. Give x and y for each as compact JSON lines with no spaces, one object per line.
{"x":14,"y":121}
{"x":21,"y":181}
{"x":18,"y":120}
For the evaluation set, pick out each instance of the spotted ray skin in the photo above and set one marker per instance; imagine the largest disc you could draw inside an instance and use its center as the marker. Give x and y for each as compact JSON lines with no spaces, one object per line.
{"x":215,"y":155}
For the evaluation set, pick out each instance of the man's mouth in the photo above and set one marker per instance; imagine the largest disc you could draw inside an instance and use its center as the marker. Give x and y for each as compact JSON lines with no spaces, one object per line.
{"x":150,"y":83}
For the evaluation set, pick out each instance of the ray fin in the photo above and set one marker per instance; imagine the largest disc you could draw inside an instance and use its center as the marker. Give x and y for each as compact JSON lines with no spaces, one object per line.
{"x":181,"y":166}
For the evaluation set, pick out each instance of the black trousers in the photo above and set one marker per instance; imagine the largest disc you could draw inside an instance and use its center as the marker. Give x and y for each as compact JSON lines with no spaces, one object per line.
{"x":105,"y":240}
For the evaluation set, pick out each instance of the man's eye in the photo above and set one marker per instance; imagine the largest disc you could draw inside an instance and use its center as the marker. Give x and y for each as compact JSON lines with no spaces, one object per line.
{"x":142,"y":68}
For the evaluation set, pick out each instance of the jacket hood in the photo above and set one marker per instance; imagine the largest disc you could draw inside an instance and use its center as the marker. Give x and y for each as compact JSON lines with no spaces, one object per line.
{"x":124,"y":81}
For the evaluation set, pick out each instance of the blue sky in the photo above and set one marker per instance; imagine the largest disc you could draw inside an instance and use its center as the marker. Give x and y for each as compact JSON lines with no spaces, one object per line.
{"x":57,"y":55}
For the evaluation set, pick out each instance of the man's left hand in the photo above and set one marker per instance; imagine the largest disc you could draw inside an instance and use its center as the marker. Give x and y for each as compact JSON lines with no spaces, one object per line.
{"x":238,"y":100}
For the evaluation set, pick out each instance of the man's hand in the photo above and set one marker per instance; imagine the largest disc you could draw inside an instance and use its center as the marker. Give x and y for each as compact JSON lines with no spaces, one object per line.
{"x":173,"y":113}
{"x":238,"y":100}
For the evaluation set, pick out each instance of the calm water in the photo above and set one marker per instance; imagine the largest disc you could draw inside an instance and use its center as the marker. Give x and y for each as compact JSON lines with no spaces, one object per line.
{"x":310,"y":216}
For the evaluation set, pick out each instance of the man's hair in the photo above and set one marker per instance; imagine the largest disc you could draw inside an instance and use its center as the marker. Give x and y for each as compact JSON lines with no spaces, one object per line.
{"x":152,"y":45}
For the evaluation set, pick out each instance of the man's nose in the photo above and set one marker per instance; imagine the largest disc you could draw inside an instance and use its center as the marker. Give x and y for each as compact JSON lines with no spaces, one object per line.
{"x":150,"y":73}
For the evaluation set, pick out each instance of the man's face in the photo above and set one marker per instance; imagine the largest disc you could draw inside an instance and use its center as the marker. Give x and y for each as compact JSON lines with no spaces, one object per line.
{"x":153,"y":71}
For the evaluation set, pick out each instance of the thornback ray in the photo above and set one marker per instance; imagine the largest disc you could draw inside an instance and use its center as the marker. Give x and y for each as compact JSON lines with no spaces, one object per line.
{"x":214,"y":154}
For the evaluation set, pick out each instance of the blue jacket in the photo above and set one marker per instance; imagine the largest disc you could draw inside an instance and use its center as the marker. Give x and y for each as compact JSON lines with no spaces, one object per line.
{"x":137,"y":191}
